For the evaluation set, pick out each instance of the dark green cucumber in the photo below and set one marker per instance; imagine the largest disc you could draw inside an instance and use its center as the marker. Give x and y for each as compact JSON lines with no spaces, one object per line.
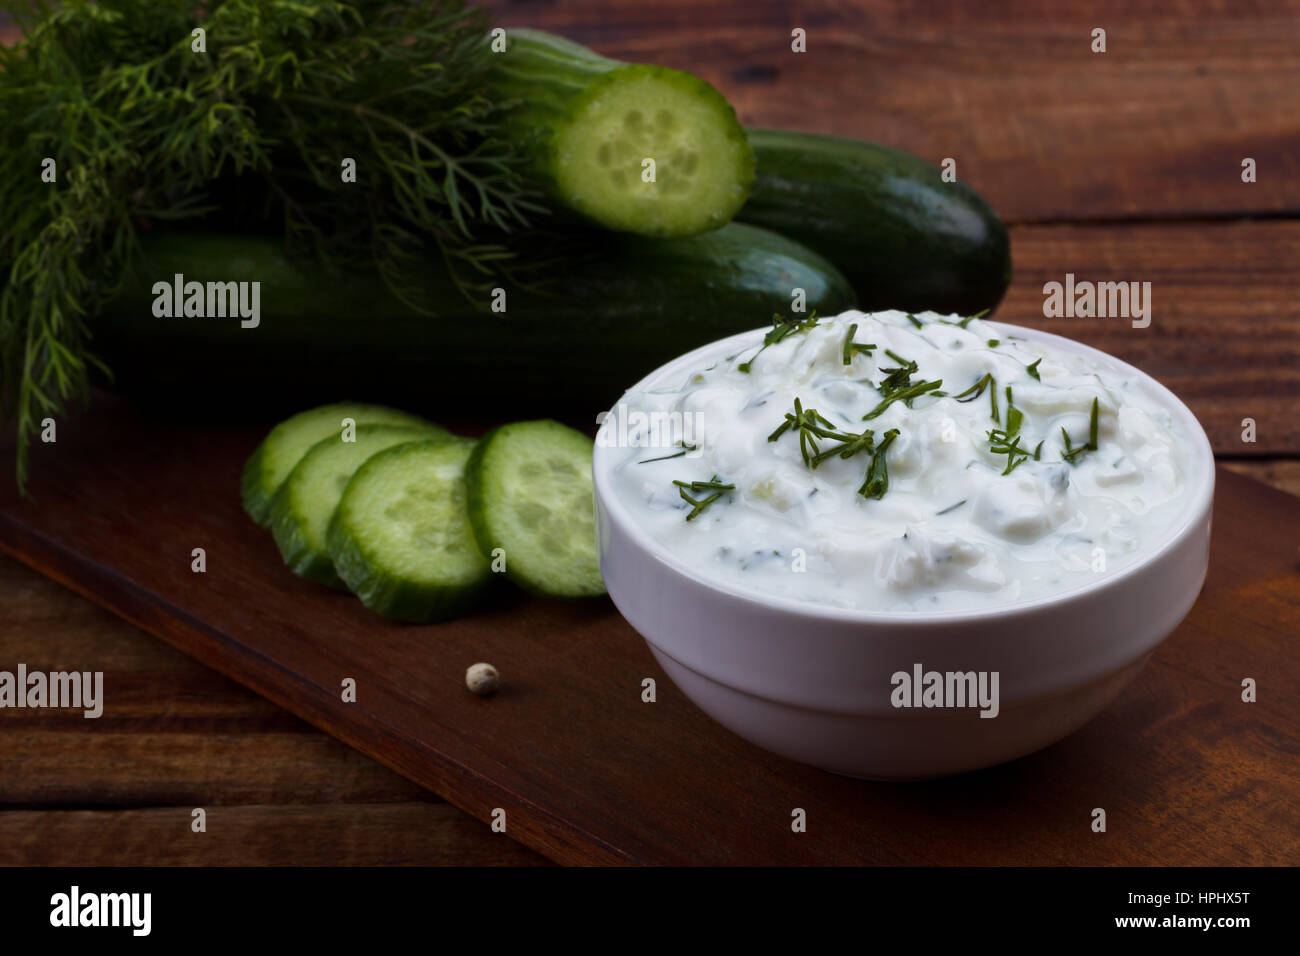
{"x":589,"y":124}
{"x":615,"y":314}
{"x":901,"y":235}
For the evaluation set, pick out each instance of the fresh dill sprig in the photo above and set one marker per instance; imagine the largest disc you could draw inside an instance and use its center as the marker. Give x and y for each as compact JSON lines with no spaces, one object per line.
{"x":143,"y":129}
{"x":714,"y":484}
{"x":851,"y":348}
{"x":781,"y":327}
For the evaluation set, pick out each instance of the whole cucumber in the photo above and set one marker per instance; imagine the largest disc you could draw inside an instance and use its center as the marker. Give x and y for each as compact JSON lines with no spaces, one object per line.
{"x":615,"y":313}
{"x":902,"y":236}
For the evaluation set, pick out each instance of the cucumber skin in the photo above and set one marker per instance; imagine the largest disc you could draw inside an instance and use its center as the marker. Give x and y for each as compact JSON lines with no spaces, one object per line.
{"x":387,"y":596}
{"x":477,"y":505}
{"x":297,"y":554}
{"x":550,"y":77}
{"x":633,"y":305}
{"x":904,"y":238}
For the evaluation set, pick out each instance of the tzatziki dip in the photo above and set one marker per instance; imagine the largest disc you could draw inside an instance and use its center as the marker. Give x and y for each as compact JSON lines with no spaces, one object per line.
{"x":900,"y":462}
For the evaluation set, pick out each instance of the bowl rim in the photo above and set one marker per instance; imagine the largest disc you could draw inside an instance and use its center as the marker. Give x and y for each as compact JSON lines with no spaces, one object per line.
{"x":1202,"y":458}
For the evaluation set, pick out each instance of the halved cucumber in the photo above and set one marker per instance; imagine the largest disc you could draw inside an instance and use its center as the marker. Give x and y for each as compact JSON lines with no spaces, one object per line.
{"x":288,"y":441}
{"x":588,"y":124}
{"x":530,"y":494}
{"x":302,"y":508}
{"x":401,"y":538}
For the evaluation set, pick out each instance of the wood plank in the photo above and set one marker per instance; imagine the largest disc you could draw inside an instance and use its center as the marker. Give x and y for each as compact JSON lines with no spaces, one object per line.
{"x":177,"y":735}
{"x":589,"y":774}
{"x":1047,"y":130}
{"x":1225,"y":319}
{"x":1283,"y":473}
{"x":399,"y":834}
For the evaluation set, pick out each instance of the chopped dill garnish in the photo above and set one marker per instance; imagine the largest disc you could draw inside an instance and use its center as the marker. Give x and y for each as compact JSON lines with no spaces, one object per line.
{"x":1072,"y":453}
{"x":851,"y":347}
{"x":1001,"y":443}
{"x":896,"y":378}
{"x":1033,"y":370}
{"x":877,"y":480}
{"x":781,"y":327}
{"x":994,"y":343}
{"x":811,"y":425}
{"x":1014,"y":415}
{"x":950,"y":508}
{"x":714,"y":484}
{"x":915,"y":321}
{"x":903,"y":395}
{"x":976,"y":390}
{"x":967,"y":321}
{"x":685,"y":448}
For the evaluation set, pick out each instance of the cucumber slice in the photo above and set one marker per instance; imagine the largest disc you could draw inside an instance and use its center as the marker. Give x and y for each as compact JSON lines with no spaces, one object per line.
{"x":302,"y":508}
{"x":530,"y":494}
{"x":288,"y":441}
{"x":401,"y":537}
{"x":592,"y":122}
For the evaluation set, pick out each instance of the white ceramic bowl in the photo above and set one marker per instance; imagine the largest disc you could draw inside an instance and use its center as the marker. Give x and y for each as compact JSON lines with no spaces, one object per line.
{"x":812,"y":683}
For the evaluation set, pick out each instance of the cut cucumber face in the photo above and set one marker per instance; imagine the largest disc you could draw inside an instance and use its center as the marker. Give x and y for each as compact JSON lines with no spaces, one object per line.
{"x":301,"y":510}
{"x":530,"y":494}
{"x":401,"y":537}
{"x":702,"y":162}
{"x":288,"y":441}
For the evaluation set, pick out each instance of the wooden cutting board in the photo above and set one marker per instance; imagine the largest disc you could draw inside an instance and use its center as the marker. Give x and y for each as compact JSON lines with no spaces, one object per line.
{"x":588,"y":773}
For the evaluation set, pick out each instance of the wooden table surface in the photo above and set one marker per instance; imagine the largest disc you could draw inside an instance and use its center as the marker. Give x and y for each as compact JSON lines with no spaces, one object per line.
{"x":1117,"y":166}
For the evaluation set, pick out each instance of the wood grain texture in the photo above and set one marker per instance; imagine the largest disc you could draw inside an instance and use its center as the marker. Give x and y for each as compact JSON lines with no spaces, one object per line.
{"x":119,"y":789}
{"x":1283,"y":473}
{"x":1047,"y":130}
{"x":1225,"y":315}
{"x":416,"y":833}
{"x":589,"y":774}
